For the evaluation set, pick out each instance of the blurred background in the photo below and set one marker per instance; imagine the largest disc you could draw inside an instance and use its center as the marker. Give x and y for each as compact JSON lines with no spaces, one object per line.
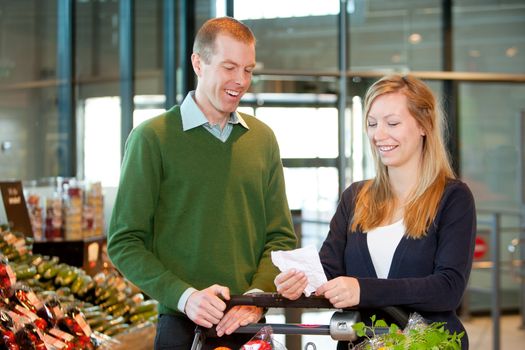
{"x":77,"y":75}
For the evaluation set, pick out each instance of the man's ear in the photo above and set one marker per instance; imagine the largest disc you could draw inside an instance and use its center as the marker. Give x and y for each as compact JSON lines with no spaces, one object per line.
{"x":196,"y":63}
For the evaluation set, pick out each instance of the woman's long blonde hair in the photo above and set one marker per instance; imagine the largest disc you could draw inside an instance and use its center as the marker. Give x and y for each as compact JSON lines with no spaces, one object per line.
{"x":376,"y":201}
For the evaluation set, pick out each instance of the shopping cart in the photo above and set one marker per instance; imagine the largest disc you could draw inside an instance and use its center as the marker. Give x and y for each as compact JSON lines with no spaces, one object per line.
{"x":339,"y":328}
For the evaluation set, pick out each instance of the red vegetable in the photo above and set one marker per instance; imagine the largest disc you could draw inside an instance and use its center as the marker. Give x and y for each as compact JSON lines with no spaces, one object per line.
{"x":7,"y":340}
{"x":257,"y":344}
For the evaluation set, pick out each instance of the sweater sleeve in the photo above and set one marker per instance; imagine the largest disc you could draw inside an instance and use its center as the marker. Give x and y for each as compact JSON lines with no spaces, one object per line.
{"x":279,"y":228}
{"x":444,"y":288}
{"x":130,"y":233}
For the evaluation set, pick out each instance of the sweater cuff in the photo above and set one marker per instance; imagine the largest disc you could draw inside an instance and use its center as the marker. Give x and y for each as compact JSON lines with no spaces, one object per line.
{"x":371,"y":293}
{"x":184,"y":299}
{"x":254,"y":290}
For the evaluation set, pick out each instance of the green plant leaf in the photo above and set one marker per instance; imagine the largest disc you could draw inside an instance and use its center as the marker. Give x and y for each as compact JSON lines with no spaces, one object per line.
{"x":380,"y":323}
{"x":393,"y":328}
{"x":420,"y":337}
{"x":359,"y":329}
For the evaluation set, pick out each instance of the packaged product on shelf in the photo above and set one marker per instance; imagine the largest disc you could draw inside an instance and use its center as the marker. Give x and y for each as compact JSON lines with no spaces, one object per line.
{"x":7,"y":335}
{"x":36,"y":216}
{"x":27,"y":335}
{"x":53,"y":220}
{"x":7,"y":278}
{"x":73,"y":213}
{"x":94,"y":210}
{"x":88,"y":221}
{"x":13,"y":245}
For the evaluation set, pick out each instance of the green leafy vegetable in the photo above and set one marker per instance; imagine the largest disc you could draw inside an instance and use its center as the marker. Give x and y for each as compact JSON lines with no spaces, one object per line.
{"x":418,"y":336}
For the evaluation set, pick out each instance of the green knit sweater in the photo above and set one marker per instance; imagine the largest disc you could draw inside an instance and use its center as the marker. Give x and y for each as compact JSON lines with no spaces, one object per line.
{"x":192,"y":211}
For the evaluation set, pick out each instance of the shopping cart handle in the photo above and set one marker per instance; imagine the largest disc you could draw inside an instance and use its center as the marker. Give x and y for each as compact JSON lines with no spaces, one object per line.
{"x":340,"y":327}
{"x":268,"y":300}
{"x":276,"y":300}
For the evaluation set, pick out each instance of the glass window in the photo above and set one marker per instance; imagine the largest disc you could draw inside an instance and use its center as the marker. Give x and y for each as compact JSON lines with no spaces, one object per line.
{"x":303,"y":132}
{"x":315,"y":192}
{"x":395,"y":35}
{"x":102,"y":140}
{"x":492,"y":127}
{"x":488,"y":37}
{"x":148,"y":47}
{"x":287,"y":38}
{"x":101,"y":134}
{"x":97,"y":40}
{"x":491,"y":130}
{"x":307,"y":133}
{"x":29,"y":125}
{"x":148,"y":32}
{"x":15,"y":137}
{"x":27,"y":41}
{"x":279,"y":9}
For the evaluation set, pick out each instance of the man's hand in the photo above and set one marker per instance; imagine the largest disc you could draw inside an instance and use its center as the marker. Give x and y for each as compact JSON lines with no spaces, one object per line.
{"x":238,"y":316}
{"x":205,"y":308}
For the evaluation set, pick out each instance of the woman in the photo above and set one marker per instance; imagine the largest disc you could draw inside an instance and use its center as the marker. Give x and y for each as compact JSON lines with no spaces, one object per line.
{"x":406,"y":237}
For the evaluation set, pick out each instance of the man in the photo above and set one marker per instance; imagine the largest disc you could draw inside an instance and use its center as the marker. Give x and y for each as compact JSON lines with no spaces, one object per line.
{"x":201,"y":201}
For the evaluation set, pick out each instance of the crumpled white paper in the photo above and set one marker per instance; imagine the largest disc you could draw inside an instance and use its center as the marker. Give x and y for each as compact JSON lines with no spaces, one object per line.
{"x":304,"y":259}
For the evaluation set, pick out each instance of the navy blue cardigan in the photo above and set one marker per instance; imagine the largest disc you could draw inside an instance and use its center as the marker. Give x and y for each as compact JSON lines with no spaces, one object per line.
{"x":428,"y":275}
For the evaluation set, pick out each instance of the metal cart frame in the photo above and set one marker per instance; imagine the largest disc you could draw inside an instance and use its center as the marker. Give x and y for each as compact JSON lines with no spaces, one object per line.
{"x":340,"y":327}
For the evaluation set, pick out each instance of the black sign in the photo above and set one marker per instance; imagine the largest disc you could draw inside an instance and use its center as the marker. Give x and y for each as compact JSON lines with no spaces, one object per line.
{"x":15,"y":207}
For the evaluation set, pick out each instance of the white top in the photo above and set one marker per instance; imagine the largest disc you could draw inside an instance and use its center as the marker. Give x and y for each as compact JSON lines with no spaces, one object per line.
{"x":382,"y":243}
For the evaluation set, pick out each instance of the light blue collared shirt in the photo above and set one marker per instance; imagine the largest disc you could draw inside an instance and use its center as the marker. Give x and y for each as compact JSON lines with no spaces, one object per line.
{"x":193,"y":117}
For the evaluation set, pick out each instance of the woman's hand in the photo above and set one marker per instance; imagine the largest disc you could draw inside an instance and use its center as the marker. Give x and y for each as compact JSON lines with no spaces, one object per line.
{"x":291,"y":284}
{"x":341,"y":291}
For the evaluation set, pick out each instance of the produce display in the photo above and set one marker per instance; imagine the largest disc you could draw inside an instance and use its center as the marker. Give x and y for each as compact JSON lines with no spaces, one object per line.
{"x":46,"y":304}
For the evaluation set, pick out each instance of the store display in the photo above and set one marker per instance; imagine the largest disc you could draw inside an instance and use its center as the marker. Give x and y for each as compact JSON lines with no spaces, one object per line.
{"x":48,"y":304}
{"x":65,"y":209}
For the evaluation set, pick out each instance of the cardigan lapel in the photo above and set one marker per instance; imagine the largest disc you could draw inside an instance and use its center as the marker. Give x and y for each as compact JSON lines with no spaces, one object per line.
{"x":398,"y":257}
{"x":365,"y":253}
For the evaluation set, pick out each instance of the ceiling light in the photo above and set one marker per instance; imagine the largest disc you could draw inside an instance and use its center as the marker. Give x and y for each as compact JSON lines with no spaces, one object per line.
{"x":474,"y":53}
{"x":396,"y":58}
{"x":415,"y":38}
{"x":511,"y":51}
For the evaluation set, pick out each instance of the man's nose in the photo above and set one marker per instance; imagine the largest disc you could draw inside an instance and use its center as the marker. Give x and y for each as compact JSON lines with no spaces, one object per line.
{"x":243,"y":78}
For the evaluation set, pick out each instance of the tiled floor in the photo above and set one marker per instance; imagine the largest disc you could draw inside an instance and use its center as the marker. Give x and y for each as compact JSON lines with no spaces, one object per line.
{"x":479,"y":329}
{"x":512,"y":335}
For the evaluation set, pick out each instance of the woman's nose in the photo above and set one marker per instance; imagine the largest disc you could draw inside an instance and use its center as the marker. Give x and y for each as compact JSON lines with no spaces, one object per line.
{"x":380,"y":132}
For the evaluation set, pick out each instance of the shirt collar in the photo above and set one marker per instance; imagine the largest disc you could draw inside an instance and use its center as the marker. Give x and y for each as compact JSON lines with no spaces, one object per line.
{"x":193,"y":117}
